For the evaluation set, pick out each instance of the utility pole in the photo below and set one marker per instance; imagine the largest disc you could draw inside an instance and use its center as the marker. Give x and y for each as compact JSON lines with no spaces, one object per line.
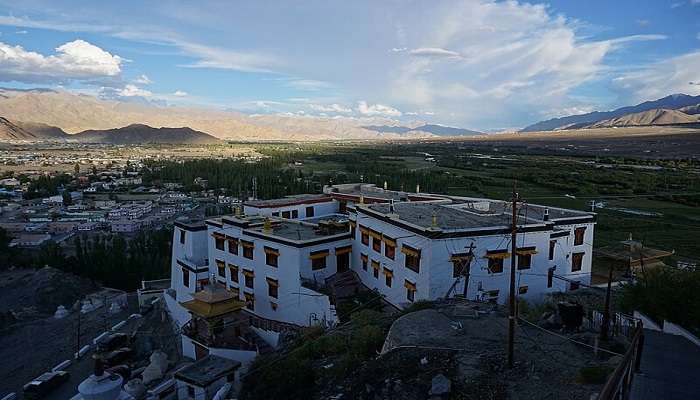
{"x":467,"y":268}
{"x":511,"y":314}
{"x":605,"y":326}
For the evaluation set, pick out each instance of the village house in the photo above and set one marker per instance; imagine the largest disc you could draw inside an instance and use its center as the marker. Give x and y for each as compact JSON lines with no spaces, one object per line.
{"x":265,"y":270}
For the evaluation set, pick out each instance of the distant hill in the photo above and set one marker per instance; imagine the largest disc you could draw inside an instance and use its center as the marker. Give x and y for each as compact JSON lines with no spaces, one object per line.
{"x":691,"y":110}
{"x":18,"y":130}
{"x":433,"y":129}
{"x":672,"y":102}
{"x":139,"y":133}
{"x":11,"y":131}
{"x":657,"y":116}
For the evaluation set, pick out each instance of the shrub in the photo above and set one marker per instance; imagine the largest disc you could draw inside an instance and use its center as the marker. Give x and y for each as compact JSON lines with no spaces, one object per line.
{"x":366,"y":341}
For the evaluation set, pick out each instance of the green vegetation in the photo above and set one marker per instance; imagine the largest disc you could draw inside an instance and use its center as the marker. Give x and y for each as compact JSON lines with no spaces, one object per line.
{"x":113,"y":260}
{"x":45,"y":186}
{"x":317,"y":355}
{"x":666,"y":294}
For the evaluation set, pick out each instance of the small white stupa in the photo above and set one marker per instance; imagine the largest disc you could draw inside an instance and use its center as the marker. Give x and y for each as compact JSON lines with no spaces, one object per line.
{"x":61,"y":312}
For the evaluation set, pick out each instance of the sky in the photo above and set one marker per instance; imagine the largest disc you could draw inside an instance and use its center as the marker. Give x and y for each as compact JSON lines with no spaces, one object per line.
{"x":476,"y":64}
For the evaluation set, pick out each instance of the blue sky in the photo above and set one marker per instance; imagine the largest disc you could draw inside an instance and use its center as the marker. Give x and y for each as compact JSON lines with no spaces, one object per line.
{"x":475,"y":64}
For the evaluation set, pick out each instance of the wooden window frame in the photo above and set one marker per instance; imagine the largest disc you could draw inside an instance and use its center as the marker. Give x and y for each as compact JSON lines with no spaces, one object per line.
{"x":232,"y":246}
{"x":233,"y":271}
{"x":579,"y":235}
{"x":524,"y":261}
{"x":273,"y":288}
{"x":552,"y":249}
{"x":271,"y":257}
{"x":312,"y":213}
{"x":495,"y":262}
{"x":377,"y":245}
{"x":186,"y":277}
{"x":577,"y":265}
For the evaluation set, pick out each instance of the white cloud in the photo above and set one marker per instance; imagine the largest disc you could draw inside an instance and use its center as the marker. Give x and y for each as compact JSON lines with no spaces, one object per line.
{"x":674,"y":75}
{"x":433,"y":52}
{"x":143,"y":80}
{"x":220,"y":58}
{"x":180,"y":93}
{"x":377,"y":110}
{"x":133,"y":91}
{"x":76,"y":60}
{"x":22,"y":32}
{"x":331,"y":108}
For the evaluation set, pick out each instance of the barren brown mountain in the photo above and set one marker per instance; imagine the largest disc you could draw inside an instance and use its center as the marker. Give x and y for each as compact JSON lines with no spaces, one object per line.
{"x":651,"y":117}
{"x":79,"y":112}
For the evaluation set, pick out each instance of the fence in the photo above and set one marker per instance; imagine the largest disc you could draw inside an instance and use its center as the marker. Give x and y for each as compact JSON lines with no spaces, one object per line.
{"x":620,"y":324}
{"x":619,"y":384}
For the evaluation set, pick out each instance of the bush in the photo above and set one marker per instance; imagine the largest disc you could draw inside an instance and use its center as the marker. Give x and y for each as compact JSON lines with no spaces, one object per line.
{"x":366,"y":341}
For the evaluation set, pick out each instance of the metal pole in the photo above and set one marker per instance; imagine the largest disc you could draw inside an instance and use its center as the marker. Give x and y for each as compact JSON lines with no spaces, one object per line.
{"x":511,"y":315}
{"x":606,"y":312}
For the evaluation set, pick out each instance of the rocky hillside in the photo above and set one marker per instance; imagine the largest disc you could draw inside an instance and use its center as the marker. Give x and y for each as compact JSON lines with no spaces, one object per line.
{"x":651,"y":117}
{"x":139,"y":133}
{"x":672,"y":102}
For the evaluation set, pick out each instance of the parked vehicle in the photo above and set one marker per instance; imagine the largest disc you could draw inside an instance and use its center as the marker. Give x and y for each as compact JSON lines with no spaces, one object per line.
{"x":44,"y":384}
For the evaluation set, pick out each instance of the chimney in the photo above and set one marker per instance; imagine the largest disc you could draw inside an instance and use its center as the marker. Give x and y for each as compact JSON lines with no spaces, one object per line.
{"x":267,"y":227}
{"x":434,"y":223}
{"x":391,"y":206}
{"x":362,"y":199}
{"x":385,"y":185}
{"x":417,"y":188}
{"x":546,"y":214}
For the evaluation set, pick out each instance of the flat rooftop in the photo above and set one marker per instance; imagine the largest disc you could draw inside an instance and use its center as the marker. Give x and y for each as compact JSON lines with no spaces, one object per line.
{"x":288,"y":200}
{"x":300,"y":231}
{"x":207,"y":370}
{"x":456,"y":214}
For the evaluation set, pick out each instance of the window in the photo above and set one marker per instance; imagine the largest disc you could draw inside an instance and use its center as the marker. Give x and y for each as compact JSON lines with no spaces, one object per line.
{"x":318,"y":259}
{"x":221,"y":268}
{"x":365,"y":235}
{"x":552,"y":246}
{"x":276,"y":214}
{"x":412,"y":259}
{"x":365,"y":261}
{"x":186,"y":277}
{"x":389,"y":248}
{"x":235,"y":292}
{"x":295,"y":214}
{"x":388,"y":275}
{"x":574,"y":285}
{"x":522,"y":290}
{"x":233,"y":246}
{"x":249,"y":301}
{"x":272,"y":287}
{"x":285,"y":214}
{"x":576,"y":262}
{"x":578,"y":235}
{"x":271,"y":256}
{"x":524,"y":261}
{"x":309,"y":211}
{"x":182,"y":236}
{"x":248,"y":248}
{"x":460,"y":264}
{"x":550,"y":277}
{"x":410,"y":291}
{"x":219,"y":242}
{"x":190,"y":392}
{"x":377,"y":244}
{"x":495,"y":265}
{"x":233,"y":271}
{"x":249,"y":278}
{"x":375,"y":268}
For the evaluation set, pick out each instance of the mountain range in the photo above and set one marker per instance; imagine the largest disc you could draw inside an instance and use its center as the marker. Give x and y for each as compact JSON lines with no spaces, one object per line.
{"x":627,"y":116}
{"x":131,"y":134}
{"x":74,"y":113}
{"x":433,"y":129}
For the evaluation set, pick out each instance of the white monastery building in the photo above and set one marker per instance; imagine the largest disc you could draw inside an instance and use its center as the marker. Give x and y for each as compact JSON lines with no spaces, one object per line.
{"x":239,"y":282}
